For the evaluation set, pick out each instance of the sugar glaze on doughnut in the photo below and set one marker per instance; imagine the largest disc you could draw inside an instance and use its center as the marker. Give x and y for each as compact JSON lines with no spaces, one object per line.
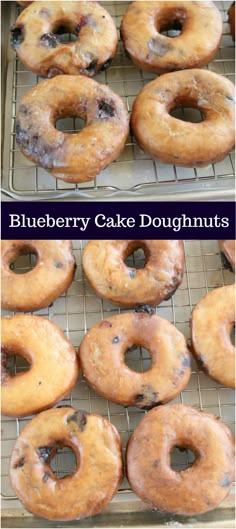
{"x":211,"y":323}
{"x":35,"y":40}
{"x":98,"y":474}
{"x":39,"y":287}
{"x":201,"y":30}
{"x":199,"y":488}
{"x":50,"y":356}
{"x":183,"y":143}
{"x":75,"y":157}
{"x":105,"y":268}
{"x":102,"y":359}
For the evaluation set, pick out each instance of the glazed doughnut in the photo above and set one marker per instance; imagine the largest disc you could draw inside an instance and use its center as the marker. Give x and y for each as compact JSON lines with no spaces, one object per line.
{"x":38,"y":288}
{"x":102,"y":359}
{"x":201,"y":31}
{"x":231,"y":19}
{"x":178,"y":142}
{"x":227,"y":250}
{"x":199,"y":488}
{"x":34,"y":38}
{"x":105,"y":268}
{"x":53,"y":365}
{"x":97,"y":446}
{"x":212,"y":321}
{"x":72,"y":157}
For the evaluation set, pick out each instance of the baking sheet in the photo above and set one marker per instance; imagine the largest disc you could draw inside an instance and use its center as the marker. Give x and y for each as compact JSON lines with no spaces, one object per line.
{"x":134,"y":175}
{"x":75,"y":312}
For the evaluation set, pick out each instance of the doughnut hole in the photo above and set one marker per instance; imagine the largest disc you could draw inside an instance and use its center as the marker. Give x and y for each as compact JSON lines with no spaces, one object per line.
{"x":171,"y":22}
{"x":70,"y":124}
{"x":138,"y":359}
{"x":181,"y":458}
{"x":24,"y":261}
{"x":136,"y":258}
{"x":64,"y":462}
{"x":232,"y":334}
{"x":189,"y":114}
{"x":13,"y":363}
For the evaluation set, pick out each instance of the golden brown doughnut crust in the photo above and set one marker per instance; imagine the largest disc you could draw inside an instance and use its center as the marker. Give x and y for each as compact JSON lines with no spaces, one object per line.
{"x":97,"y":446}
{"x":201,"y":32}
{"x":195,"y":490}
{"x":34,"y":38}
{"x":211,"y":323}
{"x":102,"y":359}
{"x":178,"y":142}
{"x":53,"y":365}
{"x":38,"y":288}
{"x":75,"y":157}
{"x":231,"y":19}
{"x":227,"y":248}
{"x":105,"y":268}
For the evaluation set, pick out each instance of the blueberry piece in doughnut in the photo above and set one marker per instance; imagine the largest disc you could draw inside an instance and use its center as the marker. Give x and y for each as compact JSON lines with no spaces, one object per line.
{"x":58,"y":264}
{"x":92,"y":65}
{"x":145,"y":308}
{"x":80,"y":418}
{"x":186,"y":362}
{"x":17,"y":36}
{"x":159,"y":47}
{"x":20,"y":463}
{"x":45,"y":452}
{"x":53,"y":71}
{"x":132,"y":273}
{"x":225,"y":482}
{"x":45,"y":12}
{"x":105,"y":66}
{"x":105,"y":110}
{"x":46,"y":476}
{"x":3,"y":365}
{"x":49,"y":40}
{"x":116,"y":339}
{"x":148,"y":398}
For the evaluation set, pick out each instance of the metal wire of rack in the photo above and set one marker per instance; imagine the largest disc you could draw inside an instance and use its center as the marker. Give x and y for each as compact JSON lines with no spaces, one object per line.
{"x":79,"y":308}
{"x":134,"y":174}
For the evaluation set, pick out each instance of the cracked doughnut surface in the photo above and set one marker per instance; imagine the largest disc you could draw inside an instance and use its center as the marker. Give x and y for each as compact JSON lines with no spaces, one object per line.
{"x":75,"y":157}
{"x":183,"y":143}
{"x":50,"y":356}
{"x":99,"y":469}
{"x":102,"y":359}
{"x":199,"y":488}
{"x":200,"y":24}
{"x":105,"y":268}
{"x":35,"y":40}
{"x":211,"y":323}
{"x":39,"y":287}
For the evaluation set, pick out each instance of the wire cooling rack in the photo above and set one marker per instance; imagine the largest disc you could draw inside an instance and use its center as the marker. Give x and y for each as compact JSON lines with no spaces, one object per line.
{"x":134,"y":174}
{"x":77,"y":310}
